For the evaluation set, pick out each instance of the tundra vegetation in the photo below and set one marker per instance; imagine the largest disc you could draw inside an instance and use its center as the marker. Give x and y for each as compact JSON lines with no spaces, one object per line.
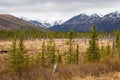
{"x":50,"y":63}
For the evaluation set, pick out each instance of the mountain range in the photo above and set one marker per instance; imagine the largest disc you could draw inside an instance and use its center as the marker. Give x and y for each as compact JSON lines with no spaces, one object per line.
{"x":79,"y":23}
{"x":83,"y":23}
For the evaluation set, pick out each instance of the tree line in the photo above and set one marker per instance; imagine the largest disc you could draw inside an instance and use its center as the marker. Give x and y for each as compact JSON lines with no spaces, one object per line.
{"x":36,"y":34}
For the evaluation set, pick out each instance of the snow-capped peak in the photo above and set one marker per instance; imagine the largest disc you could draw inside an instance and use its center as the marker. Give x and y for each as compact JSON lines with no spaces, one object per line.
{"x":113,"y":14}
{"x":117,"y":13}
{"x":95,"y":15}
{"x":48,"y":24}
{"x":57,"y":22}
{"x":83,"y":14}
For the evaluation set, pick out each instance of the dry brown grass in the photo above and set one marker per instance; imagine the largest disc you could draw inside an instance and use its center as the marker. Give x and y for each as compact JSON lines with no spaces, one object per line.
{"x":104,"y":70}
{"x":34,"y":46}
{"x":109,"y":76}
{"x":107,"y":69}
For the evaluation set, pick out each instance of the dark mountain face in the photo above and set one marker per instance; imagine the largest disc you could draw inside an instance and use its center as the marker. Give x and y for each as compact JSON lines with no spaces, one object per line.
{"x":84,"y":22}
{"x":9,"y":22}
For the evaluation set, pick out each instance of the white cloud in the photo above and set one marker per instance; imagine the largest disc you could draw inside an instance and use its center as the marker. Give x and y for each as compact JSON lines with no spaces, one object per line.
{"x":57,"y":9}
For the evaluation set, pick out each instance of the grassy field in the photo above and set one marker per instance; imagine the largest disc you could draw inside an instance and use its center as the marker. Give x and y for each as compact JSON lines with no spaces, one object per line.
{"x":34,"y":46}
{"x":68,"y":73}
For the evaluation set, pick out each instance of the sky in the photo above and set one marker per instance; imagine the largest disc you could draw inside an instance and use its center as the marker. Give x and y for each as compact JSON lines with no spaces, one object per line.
{"x":52,"y":10}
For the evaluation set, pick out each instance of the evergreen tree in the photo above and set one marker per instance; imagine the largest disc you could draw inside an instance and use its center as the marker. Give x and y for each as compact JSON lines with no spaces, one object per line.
{"x":43,"y":53}
{"x":51,"y":49}
{"x":117,"y":44}
{"x":117,"y":40}
{"x":21,"y":55}
{"x":113,"y":47}
{"x":70,"y":43}
{"x":77,"y":54}
{"x":108,"y":50}
{"x":58,"y":57}
{"x":18,"y":56}
{"x":40,"y":58}
{"x":52,"y":53}
{"x":102,"y":49}
{"x":93,"y":52}
{"x":12,"y":55}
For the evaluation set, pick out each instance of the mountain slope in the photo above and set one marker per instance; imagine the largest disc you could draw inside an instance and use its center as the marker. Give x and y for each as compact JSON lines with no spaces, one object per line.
{"x":84,"y":22}
{"x":37,"y":23}
{"x":9,"y":22}
{"x":45,"y":24}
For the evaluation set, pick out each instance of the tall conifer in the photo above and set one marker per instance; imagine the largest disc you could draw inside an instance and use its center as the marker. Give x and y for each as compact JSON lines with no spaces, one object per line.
{"x":93,"y":52}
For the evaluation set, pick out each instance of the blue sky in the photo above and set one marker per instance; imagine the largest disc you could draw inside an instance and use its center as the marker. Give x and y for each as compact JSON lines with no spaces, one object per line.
{"x":56,"y":9}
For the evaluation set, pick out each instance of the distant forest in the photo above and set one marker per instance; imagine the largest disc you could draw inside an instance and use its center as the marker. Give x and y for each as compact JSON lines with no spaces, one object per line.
{"x":36,"y":34}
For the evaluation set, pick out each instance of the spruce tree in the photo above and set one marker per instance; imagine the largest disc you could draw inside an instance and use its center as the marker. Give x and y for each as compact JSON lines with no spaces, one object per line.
{"x":37,"y":59}
{"x":58,"y":57}
{"x":77,"y":54}
{"x":51,"y":49}
{"x":93,"y":51}
{"x":43,"y":54}
{"x":117,"y":44}
{"x":52,"y":53}
{"x":18,"y":56}
{"x":70,"y":43}
{"x":113,"y":47}
{"x":117,"y":40}
{"x":12,"y":55}
{"x":40,"y":57}
{"x":102,"y":50}
{"x":108,"y":50}
{"x":21,"y":55}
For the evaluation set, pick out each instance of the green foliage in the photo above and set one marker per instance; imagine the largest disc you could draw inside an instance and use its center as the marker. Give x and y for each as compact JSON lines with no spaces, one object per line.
{"x":43,"y":54}
{"x":36,"y":34}
{"x":72,"y":56}
{"x":113,"y":48}
{"x":59,"y":60}
{"x":117,"y":43}
{"x":12,"y":55}
{"x":93,"y":51}
{"x":18,"y":56}
{"x":40,"y":58}
{"x":117,"y":40}
{"x":70,"y":43}
{"x":108,"y":50}
{"x":102,"y":50}
{"x":77,"y":55}
{"x":51,"y":50}
{"x":22,"y":58}
{"x":37,"y":59}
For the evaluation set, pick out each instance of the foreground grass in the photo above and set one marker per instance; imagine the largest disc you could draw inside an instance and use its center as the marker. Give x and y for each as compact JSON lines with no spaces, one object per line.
{"x":105,"y":69}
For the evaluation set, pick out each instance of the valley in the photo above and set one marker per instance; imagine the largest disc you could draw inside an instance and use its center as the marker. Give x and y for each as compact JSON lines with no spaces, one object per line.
{"x":83,"y":51}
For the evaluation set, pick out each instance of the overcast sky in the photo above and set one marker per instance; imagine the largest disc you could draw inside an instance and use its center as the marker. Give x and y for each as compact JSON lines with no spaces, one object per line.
{"x":57,"y":9}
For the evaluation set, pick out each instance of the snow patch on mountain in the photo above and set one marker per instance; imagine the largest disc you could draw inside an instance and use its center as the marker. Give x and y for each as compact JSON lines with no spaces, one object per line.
{"x":46,"y":23}
{"x":83,"y":22}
